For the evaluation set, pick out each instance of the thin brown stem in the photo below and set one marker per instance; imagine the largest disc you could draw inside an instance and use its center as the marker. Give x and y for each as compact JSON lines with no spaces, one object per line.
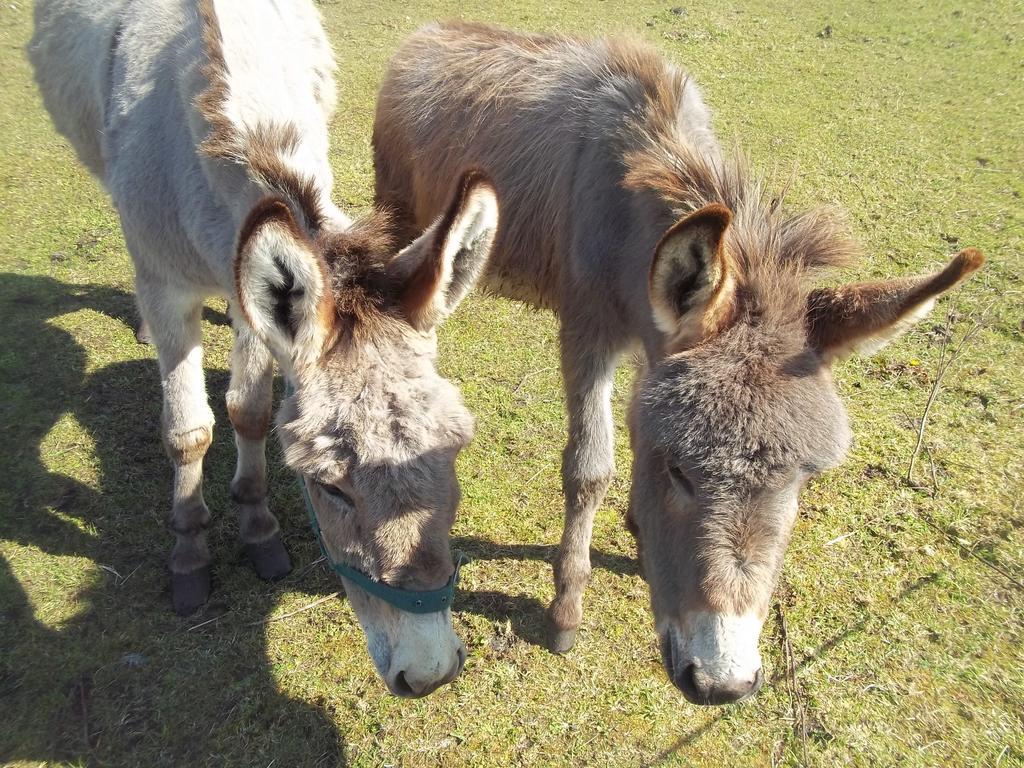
{"x":303,"y":609}
{"x":795,"y":697}
{"x":945,"y":362}
{"x":208,"y":621}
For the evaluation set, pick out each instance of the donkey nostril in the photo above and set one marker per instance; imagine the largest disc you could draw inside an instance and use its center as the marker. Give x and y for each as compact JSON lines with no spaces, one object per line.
{"x":758,"y":682}
{"x":687,"y":683}
{"x":668,"y":655}
{"x":699,"y":689}
{"x":456,"y":668}
{"x":402,"y":687}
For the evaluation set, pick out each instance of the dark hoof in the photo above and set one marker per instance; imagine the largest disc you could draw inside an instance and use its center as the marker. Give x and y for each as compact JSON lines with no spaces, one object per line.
{"x":142,"y":334}
{"x":190,"y":590}
{"x":269,"y":558}
{"x":560,"y":640}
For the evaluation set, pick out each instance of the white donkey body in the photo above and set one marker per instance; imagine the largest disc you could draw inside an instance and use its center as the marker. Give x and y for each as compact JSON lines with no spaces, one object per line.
{"x":132,"y":116}
{"x":123,"y":82}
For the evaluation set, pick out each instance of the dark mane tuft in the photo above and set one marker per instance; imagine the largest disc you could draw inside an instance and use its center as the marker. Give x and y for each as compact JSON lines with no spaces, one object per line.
{"x":357,"y":261}
{"x":259,"y":149}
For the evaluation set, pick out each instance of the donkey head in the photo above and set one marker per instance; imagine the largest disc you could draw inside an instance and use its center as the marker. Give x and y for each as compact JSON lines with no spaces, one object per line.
{"x":728,"y":427}
{"x":372,"y":428}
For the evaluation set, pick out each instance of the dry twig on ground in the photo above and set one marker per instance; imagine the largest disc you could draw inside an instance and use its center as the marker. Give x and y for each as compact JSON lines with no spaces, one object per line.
{"x":946,"y":359}
{"x":303,"y":609}
{"x":795,"y":696}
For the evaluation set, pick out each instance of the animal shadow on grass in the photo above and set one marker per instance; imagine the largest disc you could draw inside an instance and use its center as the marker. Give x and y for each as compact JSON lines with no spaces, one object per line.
{"x":106,"y":673}
{"x":121,"y":679}
{"x":526,"y":614}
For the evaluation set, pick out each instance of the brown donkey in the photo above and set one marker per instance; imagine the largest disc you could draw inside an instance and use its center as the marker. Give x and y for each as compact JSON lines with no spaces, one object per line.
{"x":623,"y":215}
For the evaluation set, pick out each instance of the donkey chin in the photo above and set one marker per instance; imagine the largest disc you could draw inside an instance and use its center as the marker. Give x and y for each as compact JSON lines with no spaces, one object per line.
{"x":415,"y":654}
{"x":713,"y":658}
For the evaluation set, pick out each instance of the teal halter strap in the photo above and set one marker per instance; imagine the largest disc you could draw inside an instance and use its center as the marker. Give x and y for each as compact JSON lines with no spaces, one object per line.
{"x":412,"y":601}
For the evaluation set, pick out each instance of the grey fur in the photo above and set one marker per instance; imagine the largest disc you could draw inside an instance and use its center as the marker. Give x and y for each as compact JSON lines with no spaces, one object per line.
{"x":603,"y":156}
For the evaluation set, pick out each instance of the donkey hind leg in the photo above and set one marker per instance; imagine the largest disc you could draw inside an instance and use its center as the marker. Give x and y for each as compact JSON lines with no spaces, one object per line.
{"x":249,"y":402}
{"x":174,"y":320}
{"x":587,"y":466}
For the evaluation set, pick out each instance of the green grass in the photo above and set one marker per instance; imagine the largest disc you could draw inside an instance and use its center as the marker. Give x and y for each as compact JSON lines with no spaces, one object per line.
{"x":903,"y":607}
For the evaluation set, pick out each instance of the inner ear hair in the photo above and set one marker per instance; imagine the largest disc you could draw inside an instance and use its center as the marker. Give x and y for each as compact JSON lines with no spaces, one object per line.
{"x":440,"y":267}
{"x":691,"y":282}
{"x":864,"y":317}
{"x":282,"y":283}
{"x":469,"y":239}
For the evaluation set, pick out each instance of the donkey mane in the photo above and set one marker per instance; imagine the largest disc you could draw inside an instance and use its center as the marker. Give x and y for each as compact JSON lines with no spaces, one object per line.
{"x":261,"y":148}
{"x":355,"y":257}
{"x":357,"y":261}
{"x":776,"y":253}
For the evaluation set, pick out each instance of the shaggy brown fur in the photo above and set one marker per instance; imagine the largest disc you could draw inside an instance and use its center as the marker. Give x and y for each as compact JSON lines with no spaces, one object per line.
{"x":776,"y":253}
{"x":364,"y":290}
{"x":622,"y":213}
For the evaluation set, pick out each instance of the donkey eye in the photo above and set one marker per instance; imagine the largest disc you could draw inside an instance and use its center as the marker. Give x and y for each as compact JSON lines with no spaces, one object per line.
{"x":680,"y":479}
{"x":335,"y":492}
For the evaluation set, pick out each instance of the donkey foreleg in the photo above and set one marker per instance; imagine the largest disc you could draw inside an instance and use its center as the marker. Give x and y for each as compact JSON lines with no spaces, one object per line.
{"x":587,"y":466}
{"x":187,"y":433}
{"x":249,"y":401}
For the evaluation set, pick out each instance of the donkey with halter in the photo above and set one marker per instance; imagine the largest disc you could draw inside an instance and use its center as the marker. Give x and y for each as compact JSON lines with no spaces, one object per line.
{"x":622,"y":214}
{"x":208,"y":127}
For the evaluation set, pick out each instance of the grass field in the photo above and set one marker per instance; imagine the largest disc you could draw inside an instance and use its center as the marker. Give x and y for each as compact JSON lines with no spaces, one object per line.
{"x":903,"y":606}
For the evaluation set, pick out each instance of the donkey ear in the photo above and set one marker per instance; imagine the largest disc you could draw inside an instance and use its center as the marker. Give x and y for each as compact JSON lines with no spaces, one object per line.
{"x":692,"y":281}
{"x":438,"y":269}
{"x":864,"y":317}
{"x":282,"y":284}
